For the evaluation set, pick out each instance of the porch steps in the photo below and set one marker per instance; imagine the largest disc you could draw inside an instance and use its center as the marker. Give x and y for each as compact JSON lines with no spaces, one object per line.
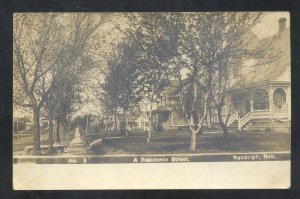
{"x":233,"y":127}
{"x":257,"y":124}
{"x":257,"y":121}
{"x":252,"y":124}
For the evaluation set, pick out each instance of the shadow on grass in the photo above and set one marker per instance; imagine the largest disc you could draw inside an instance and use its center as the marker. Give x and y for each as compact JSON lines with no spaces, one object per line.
{"x":207,"y":143}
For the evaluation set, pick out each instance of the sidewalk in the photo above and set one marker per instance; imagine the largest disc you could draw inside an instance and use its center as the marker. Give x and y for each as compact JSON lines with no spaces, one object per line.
{"x":76,"y":146}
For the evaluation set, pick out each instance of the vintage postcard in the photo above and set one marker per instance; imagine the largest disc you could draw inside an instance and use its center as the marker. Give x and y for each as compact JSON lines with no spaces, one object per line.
{"x":191,"y":100}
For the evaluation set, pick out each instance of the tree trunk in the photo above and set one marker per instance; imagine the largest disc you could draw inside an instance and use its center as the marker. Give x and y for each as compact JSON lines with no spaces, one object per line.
{"x":115,"y":121}
{"x":206,"y":121}
{"x":150,"y":123}
{"x":57,"y":131}
{"x":18,"y":129}
{"x":51,"y":132}
{"x":87,"y":125}
{"x":126,"y":123}
{"x":193,"y":141}
{"x":194,"y":120}
{"x":221,"y":122}
{"x":36,"y":133}
{"x":69,"y":127}
{"x":210,"y":120}
{"x":64,"y":133}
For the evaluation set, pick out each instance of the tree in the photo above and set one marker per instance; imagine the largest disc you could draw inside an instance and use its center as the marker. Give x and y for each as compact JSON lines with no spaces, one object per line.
{"x":226,"y":43}
{"x":31,"y":62}
{"x":180,"y":52}
{"x":50,"y":106}
{"x":194,"y":101}
{"x":65,"y":99}
{"x":129,"y":94}
{"x":43,"y":42}
{"x":110,"y":88}
{"x":120,"y":85}
{"x":160,"y":40}
{"x":136,"y":69}
{"x":193,"y":94}
{"x":152,"y":36}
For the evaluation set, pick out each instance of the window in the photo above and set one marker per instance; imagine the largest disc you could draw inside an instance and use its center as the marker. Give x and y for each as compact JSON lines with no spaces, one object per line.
{"x":261,"y":100}
{"x":279,"y":98}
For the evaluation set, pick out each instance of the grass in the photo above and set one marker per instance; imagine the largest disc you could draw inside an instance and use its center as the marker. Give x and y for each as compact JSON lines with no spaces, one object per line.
{"x":179,"y":142}
{"x":19,"y":144}
{"x":172,"y":142}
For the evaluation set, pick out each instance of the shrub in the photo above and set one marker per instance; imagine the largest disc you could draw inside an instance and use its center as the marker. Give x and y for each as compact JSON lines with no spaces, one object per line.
{"x":267,"y":129}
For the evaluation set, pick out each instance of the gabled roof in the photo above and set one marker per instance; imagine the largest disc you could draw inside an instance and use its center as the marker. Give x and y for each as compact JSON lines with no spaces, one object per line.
{"x":278,"y":70}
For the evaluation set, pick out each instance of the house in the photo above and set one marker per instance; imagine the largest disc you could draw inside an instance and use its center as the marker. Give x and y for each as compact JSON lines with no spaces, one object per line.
{"x":167,"y":114}
{"x":136,"y":120}
{"x":20,"y":125}
{"x":23,"y":121}
{"x":165,"y":110}
{"x":263,"y":95}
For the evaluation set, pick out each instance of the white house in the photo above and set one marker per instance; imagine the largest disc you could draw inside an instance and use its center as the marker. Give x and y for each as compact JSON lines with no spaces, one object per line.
{"x":265,"y":91}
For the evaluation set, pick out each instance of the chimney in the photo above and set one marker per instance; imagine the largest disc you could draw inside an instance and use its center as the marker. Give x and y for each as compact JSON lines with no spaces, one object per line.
{"x":282,"y":24}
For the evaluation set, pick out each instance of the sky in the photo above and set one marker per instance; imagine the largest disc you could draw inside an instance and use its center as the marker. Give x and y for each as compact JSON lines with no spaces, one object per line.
{"x":269,"y":24}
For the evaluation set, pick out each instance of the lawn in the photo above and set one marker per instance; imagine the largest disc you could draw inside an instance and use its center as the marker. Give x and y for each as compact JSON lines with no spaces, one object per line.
{"x":179,"y":142}
{"x":172,"y":142}
{"x":19,"y":144}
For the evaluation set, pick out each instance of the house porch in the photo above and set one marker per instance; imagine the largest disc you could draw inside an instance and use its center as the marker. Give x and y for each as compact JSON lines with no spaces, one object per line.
{"x":265,"y":108}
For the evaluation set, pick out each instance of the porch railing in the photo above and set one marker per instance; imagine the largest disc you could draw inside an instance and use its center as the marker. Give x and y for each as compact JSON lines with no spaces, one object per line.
{"x":244,"y":120}
{"x":232,"y":118}
{"x":255,"y":114}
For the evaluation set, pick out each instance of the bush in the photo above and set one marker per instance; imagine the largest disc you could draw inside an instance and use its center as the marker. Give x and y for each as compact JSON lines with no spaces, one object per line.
{"x":267,"y":129}
{"x":94,"y":129}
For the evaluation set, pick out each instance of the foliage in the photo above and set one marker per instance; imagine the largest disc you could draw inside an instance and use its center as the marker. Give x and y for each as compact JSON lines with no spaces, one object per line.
{"x":45,"y":47}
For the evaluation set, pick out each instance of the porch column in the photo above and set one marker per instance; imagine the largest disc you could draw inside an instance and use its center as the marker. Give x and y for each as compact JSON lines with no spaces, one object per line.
{"x":251,"y":104}
{"x":271,"y":90}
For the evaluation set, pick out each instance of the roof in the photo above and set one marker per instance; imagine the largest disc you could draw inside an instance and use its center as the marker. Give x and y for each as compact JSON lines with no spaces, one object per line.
{"x":278,"y":70}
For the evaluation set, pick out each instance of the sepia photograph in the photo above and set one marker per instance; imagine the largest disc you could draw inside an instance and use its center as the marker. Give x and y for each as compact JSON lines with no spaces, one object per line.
{"x":160,"y":90}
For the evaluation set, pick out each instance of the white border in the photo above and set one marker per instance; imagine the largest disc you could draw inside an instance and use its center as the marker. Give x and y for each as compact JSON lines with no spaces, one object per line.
{"x":204,"y":175}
